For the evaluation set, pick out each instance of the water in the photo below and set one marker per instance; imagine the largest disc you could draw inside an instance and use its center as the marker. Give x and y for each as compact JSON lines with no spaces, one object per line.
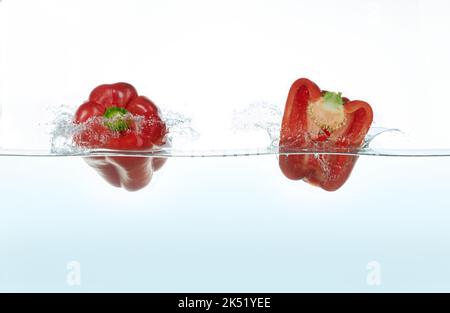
{"x":251,"y":219}
{"x":223,"y":224}
{"x":216,"y":224}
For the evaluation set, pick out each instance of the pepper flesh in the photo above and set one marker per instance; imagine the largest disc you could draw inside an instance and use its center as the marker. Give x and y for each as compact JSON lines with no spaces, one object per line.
{"x":116,"y":117}
{"x":303,"y":127}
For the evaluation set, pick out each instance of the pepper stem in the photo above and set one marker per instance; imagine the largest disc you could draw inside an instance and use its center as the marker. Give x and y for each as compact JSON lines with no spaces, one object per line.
{"x":333,"y":99}
{"x":115,"y":118}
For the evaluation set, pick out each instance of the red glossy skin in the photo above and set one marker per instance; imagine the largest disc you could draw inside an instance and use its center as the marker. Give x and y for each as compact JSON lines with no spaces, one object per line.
{"x":131,"y":173}
{"x":329,"y":172}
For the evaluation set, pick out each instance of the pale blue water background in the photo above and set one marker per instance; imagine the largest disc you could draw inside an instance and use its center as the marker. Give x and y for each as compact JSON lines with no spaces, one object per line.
{"x":233,"y":224}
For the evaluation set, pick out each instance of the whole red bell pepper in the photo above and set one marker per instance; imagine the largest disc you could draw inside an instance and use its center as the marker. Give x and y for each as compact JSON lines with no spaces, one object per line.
{"x":116,"y":117}
{"x":321,"y":121}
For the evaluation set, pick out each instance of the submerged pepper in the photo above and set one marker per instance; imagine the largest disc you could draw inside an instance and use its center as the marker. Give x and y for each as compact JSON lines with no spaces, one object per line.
{"x":116,"y":117}
{"x":319,"y":120}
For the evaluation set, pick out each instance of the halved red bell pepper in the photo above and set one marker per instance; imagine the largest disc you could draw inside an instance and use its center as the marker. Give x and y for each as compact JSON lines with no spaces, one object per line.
{"x":116,"y":117}
{"x":321,"y":121}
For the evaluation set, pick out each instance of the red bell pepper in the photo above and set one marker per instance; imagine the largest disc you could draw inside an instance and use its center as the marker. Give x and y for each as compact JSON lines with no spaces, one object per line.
{"x":116,"y":117}
{"x":321,"y":121}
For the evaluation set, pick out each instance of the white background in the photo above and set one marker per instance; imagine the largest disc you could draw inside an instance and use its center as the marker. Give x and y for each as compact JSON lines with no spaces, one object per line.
{"x":207,"y":58}
{"x":225,"y":224}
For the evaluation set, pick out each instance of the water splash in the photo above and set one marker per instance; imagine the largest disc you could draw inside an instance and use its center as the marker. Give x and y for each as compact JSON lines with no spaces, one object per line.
{"x":64,"y":130}
{"x":261,"y":117}
{"x":180,"y":127}
{"x":376,"y":131}
{"x":267,"y":117}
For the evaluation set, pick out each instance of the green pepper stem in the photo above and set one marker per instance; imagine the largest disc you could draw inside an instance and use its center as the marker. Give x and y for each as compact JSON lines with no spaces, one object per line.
{"x":333,"y":99}
{"x":115,"y":118}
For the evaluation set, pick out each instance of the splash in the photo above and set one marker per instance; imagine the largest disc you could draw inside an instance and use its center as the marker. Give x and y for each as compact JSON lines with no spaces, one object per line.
{"x":64,"y":130}
{"x":267,"y":117}
{"x":260,"y":117}
{"x":180,"y":127}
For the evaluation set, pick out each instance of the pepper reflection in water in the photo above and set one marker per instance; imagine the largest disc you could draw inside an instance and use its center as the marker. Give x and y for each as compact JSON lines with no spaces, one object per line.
{"x":115,"y":117}
{"x":322,"y":121}
{"x":131,"y":173}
